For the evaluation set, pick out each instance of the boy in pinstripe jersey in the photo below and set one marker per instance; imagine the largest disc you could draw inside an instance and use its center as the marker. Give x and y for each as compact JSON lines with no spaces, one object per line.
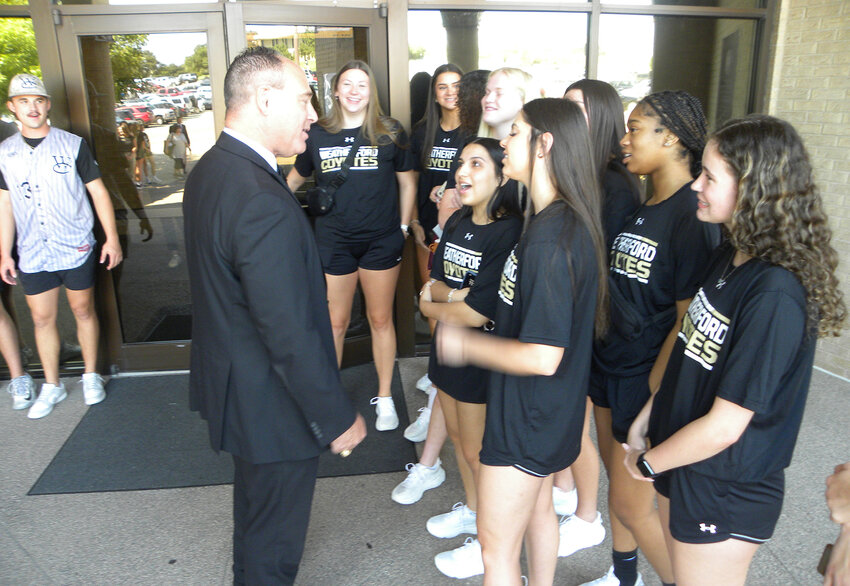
{"x":44,"y":175}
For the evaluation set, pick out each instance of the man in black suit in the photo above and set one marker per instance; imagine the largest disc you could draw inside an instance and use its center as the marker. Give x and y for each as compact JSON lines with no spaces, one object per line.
{"x":263,"y":366}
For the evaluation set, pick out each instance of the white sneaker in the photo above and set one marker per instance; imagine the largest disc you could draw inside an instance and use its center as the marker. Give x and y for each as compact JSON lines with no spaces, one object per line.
{"x":461,"y":519}
{"x":424,"y":383}
{"x":50,"y":395}
{"x":576,"y":534}
{"x":387,"y":417}
{"x":174,"y":261}
{"x":610,"y":579}
{"x":418,"y":430}
{"x":419,"y":479}
{"x":93,"y":391}
{"x":22,"y":389}
{"x":463,"y":562}
{"x":565,"y":501}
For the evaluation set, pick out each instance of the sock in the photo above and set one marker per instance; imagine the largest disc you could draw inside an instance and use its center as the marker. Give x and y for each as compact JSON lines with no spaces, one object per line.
{"x":625,"y":566}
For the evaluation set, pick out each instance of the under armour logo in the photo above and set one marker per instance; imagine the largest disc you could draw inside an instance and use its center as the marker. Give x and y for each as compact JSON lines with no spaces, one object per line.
{"x":468,"y":236}
{"x":639,"y":221}
{"x":349,"y":139}
{"x":447,"y":140}
{"x":61,"y":164}
{"x":707,"y":528}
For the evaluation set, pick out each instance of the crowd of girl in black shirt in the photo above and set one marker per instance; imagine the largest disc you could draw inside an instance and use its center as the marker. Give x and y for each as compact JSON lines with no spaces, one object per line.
{"x":686,"y":319}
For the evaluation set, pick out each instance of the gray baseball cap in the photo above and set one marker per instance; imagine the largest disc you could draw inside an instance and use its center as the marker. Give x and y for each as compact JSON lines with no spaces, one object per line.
{"x":26,"y":84}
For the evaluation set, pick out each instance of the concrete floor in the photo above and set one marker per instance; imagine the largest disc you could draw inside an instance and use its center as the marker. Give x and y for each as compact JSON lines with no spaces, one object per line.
{"x":358,"y":536}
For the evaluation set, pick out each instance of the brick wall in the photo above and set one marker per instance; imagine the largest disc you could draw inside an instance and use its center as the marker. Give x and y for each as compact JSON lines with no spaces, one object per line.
{"x":810,"y":87}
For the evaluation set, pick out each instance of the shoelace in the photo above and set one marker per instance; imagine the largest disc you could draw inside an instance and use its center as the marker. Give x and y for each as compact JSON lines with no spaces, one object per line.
{"x":18,"y":387}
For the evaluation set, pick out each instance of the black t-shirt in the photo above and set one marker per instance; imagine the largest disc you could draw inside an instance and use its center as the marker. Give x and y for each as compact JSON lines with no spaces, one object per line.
{"x":471,"y":255}
{"x":657,"y":259}
{"x":746,"y":341}
{"x":620,"y":200}
{"x":367,"y":204}
{"x":547,"y":295}
{"x":447,"y":145}
{"x":87,"y":167}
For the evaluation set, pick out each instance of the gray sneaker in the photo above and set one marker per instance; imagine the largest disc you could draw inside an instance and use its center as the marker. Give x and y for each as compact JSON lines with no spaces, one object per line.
{"x":22,"y":389}
{"x":50,"y":395}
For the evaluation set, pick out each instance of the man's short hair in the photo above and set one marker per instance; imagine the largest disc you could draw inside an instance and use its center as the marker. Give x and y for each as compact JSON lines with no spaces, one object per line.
{"x":253,"y":67}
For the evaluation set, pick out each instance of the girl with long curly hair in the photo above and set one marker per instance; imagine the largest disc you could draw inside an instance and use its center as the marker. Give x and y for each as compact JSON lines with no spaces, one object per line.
{"x":724,"y":423}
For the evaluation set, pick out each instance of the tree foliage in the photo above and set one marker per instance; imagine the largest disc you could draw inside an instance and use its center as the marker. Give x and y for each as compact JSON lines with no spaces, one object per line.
{"x":197,"y":62}
{"x":18,"y":53}
{"x":127,"y":54}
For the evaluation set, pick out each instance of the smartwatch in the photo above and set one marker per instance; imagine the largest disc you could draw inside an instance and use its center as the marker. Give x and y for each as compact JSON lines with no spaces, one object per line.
{"x":645,"y":468}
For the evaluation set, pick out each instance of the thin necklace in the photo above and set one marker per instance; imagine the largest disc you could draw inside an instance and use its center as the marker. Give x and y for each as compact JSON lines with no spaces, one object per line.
{"x":724,"y":276}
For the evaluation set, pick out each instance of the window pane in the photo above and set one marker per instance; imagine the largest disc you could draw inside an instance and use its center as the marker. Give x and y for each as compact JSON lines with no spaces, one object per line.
{"x":138,"y":87}
{"x":741,"y":4}
{"x":711,"y":58}
{"x":489,"y":40}
{"x":320,"y":50}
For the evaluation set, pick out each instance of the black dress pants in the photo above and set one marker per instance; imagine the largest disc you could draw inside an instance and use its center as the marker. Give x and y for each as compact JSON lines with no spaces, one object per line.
{"x":271,"y":511}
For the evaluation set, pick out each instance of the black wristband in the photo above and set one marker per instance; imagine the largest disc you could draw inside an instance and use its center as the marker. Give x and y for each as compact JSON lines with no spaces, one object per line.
{"x":645,"y":468}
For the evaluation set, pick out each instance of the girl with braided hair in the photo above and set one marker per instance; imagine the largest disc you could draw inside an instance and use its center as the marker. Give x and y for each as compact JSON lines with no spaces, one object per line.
{"x":724,"y":423}
{"x":656,"y":262}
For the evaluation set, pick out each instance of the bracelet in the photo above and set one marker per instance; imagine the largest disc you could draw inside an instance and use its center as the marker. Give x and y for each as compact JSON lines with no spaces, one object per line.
{"x":404,"y":228}
{"x":451,"y":293}
{"x":414,"y":221}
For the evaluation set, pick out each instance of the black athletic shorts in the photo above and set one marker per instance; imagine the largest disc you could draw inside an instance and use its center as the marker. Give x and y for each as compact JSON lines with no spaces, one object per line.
{"x":341,"y":257}
{"x":624,"y":396}
{"x":706,"y":510}
{"x":76,"y":279}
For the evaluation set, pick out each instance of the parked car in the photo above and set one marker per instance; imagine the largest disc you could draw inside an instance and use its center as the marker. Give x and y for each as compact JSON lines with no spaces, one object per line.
{"x":124,"y":115}
{"x":204,"y":96}
{"x":188,"y":77}
{"x":169,"y":91}
{"x":163,"y":112}
{"x":142,"y":114}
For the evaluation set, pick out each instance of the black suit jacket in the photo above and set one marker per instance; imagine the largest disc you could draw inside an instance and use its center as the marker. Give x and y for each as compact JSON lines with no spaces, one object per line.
{"x":263,"y":366}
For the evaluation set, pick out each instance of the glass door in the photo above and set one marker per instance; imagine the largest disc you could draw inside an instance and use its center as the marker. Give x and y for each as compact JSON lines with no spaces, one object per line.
{"x":321,"y":41}
{"x":146,"y":90}
{"x":138,"y":76}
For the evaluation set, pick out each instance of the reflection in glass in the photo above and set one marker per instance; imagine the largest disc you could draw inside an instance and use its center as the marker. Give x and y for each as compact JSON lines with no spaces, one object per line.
{"x":711,"y":58}
{"x":550,"y":46}
{"x":742,"y":4}
{"x":139,"y":87}
{"x":319,"y":50}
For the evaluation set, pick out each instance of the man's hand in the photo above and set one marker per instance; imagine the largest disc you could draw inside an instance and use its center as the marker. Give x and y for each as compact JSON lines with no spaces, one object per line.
{"x":111,"y":252}
{"x":145,"y":229}
{"x":7,"y":270}
{"x":838,"y":493}
{"x":350,"y":437}
{"x":838,"y":569}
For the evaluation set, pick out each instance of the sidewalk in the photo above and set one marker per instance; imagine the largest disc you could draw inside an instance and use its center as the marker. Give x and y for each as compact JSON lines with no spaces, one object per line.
{"x":358,"y":536}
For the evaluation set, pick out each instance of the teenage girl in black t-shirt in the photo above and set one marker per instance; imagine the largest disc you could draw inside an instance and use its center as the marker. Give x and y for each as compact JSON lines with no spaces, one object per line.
{"x":575,"y":492}
{"x":436,"y":141}
{"x":655,"y":265}
{"x":362,"y":237}
{"x":463,"y":290}
{"x":724,"y":423}
{"x":551,"y":303}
